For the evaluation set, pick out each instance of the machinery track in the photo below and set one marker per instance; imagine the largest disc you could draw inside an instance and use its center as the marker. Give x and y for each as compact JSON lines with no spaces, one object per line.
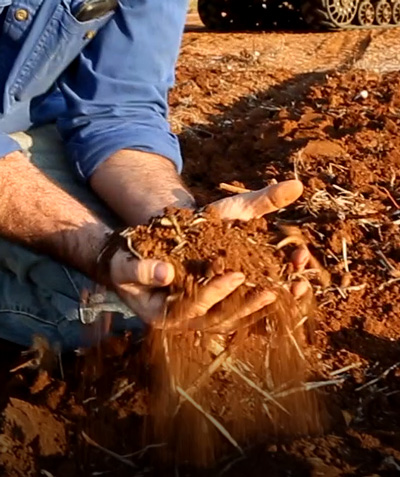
{"x":318,"y":14}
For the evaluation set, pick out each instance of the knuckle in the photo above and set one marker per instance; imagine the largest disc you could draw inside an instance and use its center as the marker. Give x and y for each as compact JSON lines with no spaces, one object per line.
{"x":201,"y":308}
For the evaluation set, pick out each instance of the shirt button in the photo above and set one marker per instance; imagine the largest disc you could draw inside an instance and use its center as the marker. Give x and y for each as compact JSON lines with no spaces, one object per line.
{"x":90,"y":35}
{"x":21,"y":15}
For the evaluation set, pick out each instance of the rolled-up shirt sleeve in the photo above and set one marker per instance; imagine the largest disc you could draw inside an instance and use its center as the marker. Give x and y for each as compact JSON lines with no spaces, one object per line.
{"x":7,"y":145}
{"x":117,"y":90}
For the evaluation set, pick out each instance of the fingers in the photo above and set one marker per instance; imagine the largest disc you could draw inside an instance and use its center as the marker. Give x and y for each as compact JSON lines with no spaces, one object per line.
{"x":300,"y":288}
{"x":221,"y":323}
{"x":300,"y":258}
{"x":146,"y":303}
{"x":211,"y":294}
{"x":149,"y":305}
{"x":258,"y":203}
{"x":304,"y":296}
{"x":124,"y":269}
{"x":192,"y":309}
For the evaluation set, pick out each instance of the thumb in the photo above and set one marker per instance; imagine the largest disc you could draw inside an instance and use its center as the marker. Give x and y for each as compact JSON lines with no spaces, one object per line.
{"x":258,"y":203}
{"x":154,"y":273}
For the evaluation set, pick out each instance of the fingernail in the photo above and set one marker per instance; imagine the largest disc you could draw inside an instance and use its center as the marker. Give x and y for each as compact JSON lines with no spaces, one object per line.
{"x":161,"y":273}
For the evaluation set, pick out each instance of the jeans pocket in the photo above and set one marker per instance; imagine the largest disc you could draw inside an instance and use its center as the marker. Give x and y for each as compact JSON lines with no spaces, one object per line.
{"x":60,"y":42}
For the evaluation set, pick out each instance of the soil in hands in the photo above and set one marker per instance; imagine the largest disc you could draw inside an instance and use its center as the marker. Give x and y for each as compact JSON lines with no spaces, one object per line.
{"x":222,"y":379}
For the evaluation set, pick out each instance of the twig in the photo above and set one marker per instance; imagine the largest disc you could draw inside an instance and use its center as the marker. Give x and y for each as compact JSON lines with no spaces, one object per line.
{"x":296,"y":344}
{"x":210,"y":418}
{"x":392,"y":270}
{"x":89,"y":399}
{"x":33,"y":363}
{"x":344,"y":253}
{"x":344,"y":191}
{"x":126,"y":234}
{"x":381,"y":376}
{"x":301,"y":322}
{"x":140,"y":453}
{"x":308,"y":387}
{"x":179,"y":247}
{"x":390,"y":197}
{"x":109,"y":452}
{"x":382,"y":286}
{"x":217,"y":348}
{"x":122,"y":391}
{"x":267,"y":411}
{"x":209,"y":371}
{"x":268,"y":396}
{"x":341,"y":292}
{"x":322,"y":384}
{"x":355,"y":287}
{"x":345,"y":369}
{"x":296,"y":162}
{"x":234,"y":189}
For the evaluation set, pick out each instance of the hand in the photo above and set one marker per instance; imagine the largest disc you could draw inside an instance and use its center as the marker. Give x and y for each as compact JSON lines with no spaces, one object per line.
{"x":258,"y":203}
{"x":139,"y":282}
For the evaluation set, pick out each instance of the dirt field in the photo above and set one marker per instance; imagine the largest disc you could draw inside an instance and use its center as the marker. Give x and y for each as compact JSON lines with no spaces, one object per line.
{"x":252,"y":108}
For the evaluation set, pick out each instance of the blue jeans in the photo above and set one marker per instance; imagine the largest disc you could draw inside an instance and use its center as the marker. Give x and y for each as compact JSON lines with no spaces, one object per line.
{"x":39,"y":296}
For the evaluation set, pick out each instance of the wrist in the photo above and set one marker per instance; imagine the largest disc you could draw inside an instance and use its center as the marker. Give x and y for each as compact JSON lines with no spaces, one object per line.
{"x":109,"y":252}
{"x":82,"y":247}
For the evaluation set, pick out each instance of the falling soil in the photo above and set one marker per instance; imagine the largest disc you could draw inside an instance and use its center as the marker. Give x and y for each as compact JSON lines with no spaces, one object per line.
{"x":206,"y":388}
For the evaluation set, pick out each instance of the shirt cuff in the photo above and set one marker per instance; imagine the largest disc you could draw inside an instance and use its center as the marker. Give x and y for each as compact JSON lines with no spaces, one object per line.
{"x":8,"y":145}
{"x":87,"y":150}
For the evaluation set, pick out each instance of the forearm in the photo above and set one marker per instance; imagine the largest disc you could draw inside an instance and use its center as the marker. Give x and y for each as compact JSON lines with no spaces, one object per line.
{"x":38,"y":214}
{"x":138,"y":185}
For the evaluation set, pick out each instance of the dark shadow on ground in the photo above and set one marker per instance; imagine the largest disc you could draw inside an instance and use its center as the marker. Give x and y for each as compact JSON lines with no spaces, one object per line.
{"x":251,"y":133}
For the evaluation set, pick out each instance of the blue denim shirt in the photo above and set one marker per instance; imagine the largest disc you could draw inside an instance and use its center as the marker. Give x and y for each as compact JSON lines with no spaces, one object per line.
{"x":105,"y":93}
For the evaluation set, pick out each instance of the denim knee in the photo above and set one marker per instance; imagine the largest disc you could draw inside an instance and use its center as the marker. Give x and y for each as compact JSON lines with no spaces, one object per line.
{"x":48,"y":303}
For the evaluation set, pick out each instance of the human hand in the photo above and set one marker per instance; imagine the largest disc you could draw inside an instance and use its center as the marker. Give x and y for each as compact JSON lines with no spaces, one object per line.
{"x":255,"y":204}
{"x":142,"y":284}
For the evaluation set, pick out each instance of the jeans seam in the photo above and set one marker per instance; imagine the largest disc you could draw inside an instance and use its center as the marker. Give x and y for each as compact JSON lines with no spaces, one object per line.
{"x":71,"y":280}
{"x":30,"y":315}
{"x":78,"y":295}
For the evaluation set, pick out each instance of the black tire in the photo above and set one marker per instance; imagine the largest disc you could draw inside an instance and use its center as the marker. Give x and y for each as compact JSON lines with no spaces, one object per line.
{"x":329,"y":14}
{"x":227,"y":15}
{"x":383,"y":13}
{"x":284,"y":15}
{"x":213,"y":14}
{"x":365,"y":13}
